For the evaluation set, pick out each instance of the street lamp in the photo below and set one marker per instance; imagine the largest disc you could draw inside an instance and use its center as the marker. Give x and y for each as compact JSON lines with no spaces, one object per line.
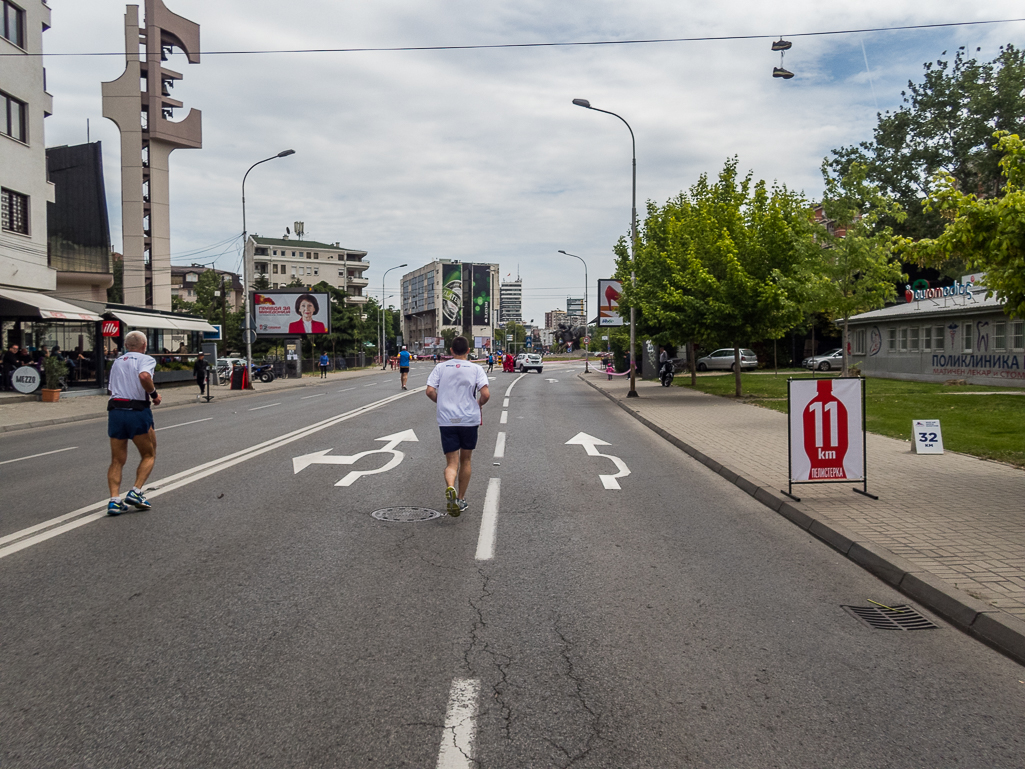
{"x":247,"y":333}
{"x":587,"y":323}
{"x":384,"y":360}
{"x":633,"y":241}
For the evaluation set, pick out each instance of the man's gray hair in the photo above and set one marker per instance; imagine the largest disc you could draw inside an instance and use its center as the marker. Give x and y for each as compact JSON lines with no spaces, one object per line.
{"x":135,"y":341}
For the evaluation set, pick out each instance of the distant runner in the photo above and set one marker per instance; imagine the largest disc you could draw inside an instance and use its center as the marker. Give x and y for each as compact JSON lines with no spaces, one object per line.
{"x":460,"y":389}
{"x":404,"y":365}
{"x":129,"y":418}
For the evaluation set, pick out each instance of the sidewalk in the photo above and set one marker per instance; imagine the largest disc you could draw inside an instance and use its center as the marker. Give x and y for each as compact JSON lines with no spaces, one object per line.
{"x":21,"y":415}
{"x":947,"y":530}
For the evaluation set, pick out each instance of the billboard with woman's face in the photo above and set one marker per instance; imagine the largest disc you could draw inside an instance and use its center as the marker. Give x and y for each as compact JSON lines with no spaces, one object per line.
{"x":289,"y":313}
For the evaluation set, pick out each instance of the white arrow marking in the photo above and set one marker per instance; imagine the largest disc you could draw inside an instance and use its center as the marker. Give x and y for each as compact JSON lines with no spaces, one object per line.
{"x":590,"y":444}
{"x":322,"y":458}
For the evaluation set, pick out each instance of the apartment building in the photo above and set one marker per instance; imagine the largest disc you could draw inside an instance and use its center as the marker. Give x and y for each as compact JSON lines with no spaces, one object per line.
{"x":510,"y":307}
{"x":184,"y":280}
{"x":283,"y":261}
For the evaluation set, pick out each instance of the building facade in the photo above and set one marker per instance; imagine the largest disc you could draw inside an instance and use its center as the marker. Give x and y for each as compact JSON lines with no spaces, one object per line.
{"x":282,"y":261}
{"x":510,"y":306}
{"x":25,"y":188}
{"x":447,"y":294}
{"x":555,"y":318}
{"x":184,"y":280}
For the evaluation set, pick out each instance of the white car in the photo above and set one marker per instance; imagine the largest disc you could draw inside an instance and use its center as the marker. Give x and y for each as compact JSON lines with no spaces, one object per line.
{"x":825,"y":362}
{"x":526,"y":361}
{"x":723,"y":359}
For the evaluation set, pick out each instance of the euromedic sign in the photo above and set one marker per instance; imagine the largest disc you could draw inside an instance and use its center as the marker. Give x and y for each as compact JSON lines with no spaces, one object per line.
{"x":827,"y":430}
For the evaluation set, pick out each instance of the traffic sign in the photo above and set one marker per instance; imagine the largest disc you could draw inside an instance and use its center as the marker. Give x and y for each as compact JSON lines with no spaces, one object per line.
{"x":249,"y":336}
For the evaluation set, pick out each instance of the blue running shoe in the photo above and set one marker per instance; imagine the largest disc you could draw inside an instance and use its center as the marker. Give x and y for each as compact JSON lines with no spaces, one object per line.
{"x":137,"y":500}
{"x":116,"y":507}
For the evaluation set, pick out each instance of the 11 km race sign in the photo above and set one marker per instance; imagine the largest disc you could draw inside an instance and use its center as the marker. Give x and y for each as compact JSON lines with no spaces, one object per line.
{"x":827,"y":431}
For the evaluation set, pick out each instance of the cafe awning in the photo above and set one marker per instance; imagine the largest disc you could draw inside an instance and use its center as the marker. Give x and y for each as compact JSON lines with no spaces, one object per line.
{"x":164,"y":322}
{"x":29,"y":304}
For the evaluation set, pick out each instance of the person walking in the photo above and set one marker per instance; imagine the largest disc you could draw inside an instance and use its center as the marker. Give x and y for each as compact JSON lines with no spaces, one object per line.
{"x":460,"y":390}
{"x":325,"y":361}
{"x":129,"y":418}
{"x":10,"y":362}
{"x":404,"y":365}
{"x":199,"y":370}
{"x":491,"y":362}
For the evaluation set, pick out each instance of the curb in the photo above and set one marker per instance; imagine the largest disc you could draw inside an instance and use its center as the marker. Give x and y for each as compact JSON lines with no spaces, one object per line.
{"x":1003,"y":632}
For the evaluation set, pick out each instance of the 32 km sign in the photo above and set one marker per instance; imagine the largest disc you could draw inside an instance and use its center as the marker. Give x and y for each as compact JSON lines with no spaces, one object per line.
{"x":827,"y":431}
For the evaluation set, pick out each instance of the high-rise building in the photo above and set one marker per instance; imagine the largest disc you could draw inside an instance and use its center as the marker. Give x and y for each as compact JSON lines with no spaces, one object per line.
{"x":510,"y":308}
{"x":449,"y":295}
{"x":554,"y":317}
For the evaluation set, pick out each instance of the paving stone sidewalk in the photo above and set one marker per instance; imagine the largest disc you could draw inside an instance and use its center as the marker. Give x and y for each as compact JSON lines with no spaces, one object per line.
{"x":953,"y":516}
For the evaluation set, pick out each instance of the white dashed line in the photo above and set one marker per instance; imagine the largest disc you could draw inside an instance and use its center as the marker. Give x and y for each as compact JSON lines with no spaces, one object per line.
{"x":505,"y":403}
{"x":347,"y":389}
{"x":505,"y":418}
{"x":457,"y":739}
{"x":307,"y":397}
{"x":500,"y":446}
{"x":372,"y":384}
{"x":193,"y":422}
{"x":44,"y":454}
{"x":517,"y":379}
{"x":489,"y":522}
{"x":265,"y":407}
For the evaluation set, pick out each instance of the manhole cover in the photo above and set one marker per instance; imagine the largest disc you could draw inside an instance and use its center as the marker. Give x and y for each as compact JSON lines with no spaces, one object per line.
{"x":895,"y":618}
{"x":406,"y":514}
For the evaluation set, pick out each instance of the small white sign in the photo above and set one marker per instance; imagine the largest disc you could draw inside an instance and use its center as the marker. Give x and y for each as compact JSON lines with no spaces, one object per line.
{"x":927,"y":436}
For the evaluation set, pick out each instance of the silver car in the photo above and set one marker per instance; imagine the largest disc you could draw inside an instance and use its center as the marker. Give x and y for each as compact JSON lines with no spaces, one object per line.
{"x":826,"y":361}
{"x":723,"y":359}
{"x":527,"y":361}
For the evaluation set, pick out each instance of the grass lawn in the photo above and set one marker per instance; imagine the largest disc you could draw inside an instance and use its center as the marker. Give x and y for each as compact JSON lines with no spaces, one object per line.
{"x":990,"y":426}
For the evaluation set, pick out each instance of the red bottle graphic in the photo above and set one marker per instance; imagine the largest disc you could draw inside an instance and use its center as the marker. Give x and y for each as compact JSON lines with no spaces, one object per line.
{"x":825,"y":434}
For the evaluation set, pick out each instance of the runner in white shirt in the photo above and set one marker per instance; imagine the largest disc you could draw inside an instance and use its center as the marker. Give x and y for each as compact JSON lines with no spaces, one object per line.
{"x":460,"y":388}
{"x":129,"y":419}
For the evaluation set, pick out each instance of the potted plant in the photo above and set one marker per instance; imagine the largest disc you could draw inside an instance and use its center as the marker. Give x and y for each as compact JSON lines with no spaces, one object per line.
{"x":53,"y":370}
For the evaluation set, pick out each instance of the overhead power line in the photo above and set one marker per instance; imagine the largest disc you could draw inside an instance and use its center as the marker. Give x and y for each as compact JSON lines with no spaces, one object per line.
{"x":564,"y":44}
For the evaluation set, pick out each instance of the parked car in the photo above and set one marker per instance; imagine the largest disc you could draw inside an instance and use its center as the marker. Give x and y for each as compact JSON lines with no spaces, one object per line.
{"x":723,"y":359}
{"x":526,"y":361}
{"x":825,"y":362}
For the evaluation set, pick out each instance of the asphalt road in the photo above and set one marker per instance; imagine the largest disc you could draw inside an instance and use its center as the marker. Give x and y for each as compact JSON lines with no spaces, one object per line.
{"x":260,"y":616}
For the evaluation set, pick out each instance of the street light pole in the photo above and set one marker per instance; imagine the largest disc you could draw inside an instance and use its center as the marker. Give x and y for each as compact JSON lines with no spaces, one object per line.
{"x":384,"y":362}
{"x":247,"y":338}
{"x":587,"y":323}
{"x":633,"y":242}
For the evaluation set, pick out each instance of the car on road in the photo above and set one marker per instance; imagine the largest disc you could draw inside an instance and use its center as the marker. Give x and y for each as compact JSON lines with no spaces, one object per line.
{"x":527,"y":361}
{"x":826,"y":361}
{"x":723,"y":359}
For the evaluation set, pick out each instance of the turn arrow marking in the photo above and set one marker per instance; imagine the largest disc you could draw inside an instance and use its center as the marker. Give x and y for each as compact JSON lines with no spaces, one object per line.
{"x":323,"y":458}
{"x":591,"y":444}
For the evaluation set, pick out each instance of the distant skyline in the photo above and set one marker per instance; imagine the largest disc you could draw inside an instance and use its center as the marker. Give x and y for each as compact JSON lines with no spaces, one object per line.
{"x":480,"y":155}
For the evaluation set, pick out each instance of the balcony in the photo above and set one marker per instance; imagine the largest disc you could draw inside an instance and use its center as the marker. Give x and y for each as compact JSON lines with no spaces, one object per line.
{"x":354,"y":281}
{"x":356,"y":299}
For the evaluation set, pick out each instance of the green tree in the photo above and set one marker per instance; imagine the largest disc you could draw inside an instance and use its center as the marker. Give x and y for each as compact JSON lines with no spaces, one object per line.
{"x":987,"y":235}
{"x":859,"y":267}
{"x":944,"y":126}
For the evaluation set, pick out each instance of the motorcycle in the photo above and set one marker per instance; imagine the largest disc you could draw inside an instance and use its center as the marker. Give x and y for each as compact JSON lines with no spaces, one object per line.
{"x":264,"y":373}
{"x":665,"y":376}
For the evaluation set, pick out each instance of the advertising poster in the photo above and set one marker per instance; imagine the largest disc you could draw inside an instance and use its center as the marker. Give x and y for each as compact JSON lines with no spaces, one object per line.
{"x":608,"y":302}
{"x":481,"y":295}
{"x":827,"y":442}
{"x":280,"y":313}
{"x":451,"y":294}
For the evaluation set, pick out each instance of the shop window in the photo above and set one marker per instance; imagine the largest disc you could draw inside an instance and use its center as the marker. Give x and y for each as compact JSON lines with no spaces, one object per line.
{"x":904,"y":340}
{"x":13,"y":211}
{"x":913,"y":334}
{"x":1018,"y":335}
{"x":1000,"y":336}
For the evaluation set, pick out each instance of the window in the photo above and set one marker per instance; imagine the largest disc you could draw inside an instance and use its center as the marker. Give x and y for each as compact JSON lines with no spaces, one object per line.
{"x":859,"y":341}
{"x":276,"y":252}
{"x":937,"y":338}
{"x":308,"y":272}
{"x":191,"y":277}
{"x":293,"y":253}
{"x":1000,"y":336}
{"x":308,"y":254}
{"x":341,"y":273}
{"x":275,"y":285}
{"x":927,"y":338}
{"x":13,"y":211}
{"x":316,"y":255}
{"x":913,"y":334}
{"x":260,"y":251}
{"x":966,"y":335}
{"x":316,"y":271}
{"x":275,"y":270}
{"x":904,"y":340}
{"x":293,"y":271}
{"x":12,"y":26}
{"x":12,"y":121}
{"x":1018,"y":335}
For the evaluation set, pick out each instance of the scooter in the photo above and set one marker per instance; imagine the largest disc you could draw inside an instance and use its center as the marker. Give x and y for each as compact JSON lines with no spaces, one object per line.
{"x":665,"y":376}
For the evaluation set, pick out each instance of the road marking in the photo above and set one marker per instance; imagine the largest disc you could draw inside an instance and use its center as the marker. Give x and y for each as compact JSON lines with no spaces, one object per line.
{"x":552,"y":380}
{"x":517,"y":379}
{"x":193,"y":422}
{"x":347,"y":389}
{"x":372,"y":384}
{"x":590,"y":444}
{"x":44,"y":454}
{"x":312,"y":396}
{"x":456,"y":750}
{"x":265,"y":407}
{"x":500,"y":446}
{"x":489,"y":522}
{"x":93,"y":512}
{"x":323,"y":458}
{"x":505,"y":418}
{"x":505,"y":403}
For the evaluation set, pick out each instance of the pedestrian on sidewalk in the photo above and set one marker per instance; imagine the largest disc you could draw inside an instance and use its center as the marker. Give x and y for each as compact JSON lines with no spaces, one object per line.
{"x":129,"y":418}
{"x":10,"y":362}
{"x":404,"y":365}
{"x":460,"y":389}
{"x":325,"y":361}
{"x":199,"y":370}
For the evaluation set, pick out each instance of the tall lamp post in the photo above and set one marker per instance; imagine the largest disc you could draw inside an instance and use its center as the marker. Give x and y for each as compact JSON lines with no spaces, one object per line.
{"x":633,"y":242}
{"x":384,"y":361}
{"x":248,"y":333}
{"x":587,"y":322}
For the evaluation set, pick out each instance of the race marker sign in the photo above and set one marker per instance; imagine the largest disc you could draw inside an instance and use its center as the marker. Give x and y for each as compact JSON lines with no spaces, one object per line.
{"x":926,"y":436}
{"x":827,"y":431}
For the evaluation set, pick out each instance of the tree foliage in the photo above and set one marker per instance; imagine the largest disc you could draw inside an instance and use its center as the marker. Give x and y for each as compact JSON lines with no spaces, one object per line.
{"x":986,"y":234}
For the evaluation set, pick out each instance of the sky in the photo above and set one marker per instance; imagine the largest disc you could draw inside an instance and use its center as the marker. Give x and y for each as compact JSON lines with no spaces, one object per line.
{"x":480,"y":155}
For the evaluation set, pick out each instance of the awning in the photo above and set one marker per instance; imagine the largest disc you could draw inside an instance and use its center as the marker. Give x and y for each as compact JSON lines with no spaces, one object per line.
{"x":166,"y":322}
{"x":43,"y":306}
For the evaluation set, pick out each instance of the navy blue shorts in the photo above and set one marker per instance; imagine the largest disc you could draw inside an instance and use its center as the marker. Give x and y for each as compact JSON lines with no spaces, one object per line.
{"x":126,"y":424}
{"x":456,"y":437}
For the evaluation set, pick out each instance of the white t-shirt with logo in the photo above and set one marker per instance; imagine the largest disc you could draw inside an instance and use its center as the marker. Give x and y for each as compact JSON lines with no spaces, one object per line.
{"x":457,"y":382}
{"x":124,"y":376}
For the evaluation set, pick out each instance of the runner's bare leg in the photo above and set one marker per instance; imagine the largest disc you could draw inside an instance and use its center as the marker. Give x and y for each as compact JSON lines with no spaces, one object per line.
{"x":118,"y":457}
{"x":146,"y":443}
{"x":464,"y":471}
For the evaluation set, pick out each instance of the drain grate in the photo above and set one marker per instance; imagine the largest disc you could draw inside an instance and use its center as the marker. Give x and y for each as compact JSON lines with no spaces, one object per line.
{"x":406,"y":514}
{"x":900,"y":618}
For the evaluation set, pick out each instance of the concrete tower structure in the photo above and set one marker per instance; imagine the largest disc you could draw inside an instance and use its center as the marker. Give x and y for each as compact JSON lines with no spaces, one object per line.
{"x":139,"y":102}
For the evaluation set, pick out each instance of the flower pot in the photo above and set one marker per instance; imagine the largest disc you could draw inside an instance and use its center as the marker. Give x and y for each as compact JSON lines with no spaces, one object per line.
{"x":50,"y":396}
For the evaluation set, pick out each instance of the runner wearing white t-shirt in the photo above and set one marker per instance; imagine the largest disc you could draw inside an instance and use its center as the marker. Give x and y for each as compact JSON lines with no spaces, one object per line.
{"x":460,"y":389}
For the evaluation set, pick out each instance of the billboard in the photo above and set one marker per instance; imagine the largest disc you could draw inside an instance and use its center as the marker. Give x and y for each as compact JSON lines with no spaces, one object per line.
{"x":291,"y":312}
{"x":451,"y":295}
{"x":481,"y":299}
{"x":608,"y":302}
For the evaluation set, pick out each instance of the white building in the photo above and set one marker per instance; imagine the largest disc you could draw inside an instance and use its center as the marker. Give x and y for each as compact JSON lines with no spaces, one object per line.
{"x":510,"y":308}
{"x":283,"y":260}
{"x":24,"y":187}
